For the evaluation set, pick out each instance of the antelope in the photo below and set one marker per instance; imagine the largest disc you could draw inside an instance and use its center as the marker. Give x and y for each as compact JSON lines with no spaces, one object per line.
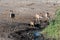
{"x":47,"y":15}
{"x":32,"y":23}
{"x":12,"y":14}
{"x":38,"y":17}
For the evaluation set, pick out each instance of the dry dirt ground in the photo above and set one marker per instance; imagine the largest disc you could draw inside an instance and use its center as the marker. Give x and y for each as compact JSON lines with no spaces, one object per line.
{"x":24,"y":11}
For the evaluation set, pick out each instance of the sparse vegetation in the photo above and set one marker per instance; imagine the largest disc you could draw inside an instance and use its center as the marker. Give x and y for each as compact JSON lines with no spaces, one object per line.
{"x":53,"y":29}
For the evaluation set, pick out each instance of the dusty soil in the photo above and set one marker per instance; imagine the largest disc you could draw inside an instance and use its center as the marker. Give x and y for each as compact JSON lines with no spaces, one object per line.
{"x":25,"y":9}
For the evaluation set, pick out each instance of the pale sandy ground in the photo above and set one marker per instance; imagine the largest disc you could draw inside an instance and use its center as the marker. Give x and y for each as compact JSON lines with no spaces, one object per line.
{"x":24,"y":10}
